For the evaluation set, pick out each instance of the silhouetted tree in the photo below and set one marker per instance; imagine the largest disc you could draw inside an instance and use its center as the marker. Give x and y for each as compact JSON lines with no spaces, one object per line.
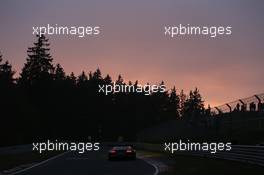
{"x":182,"y":98}
{"x":82,"y":79}
{"x":6,"y":73}
{"x":194,"y":105}
{"x":120,"y":80}
{"x":71,"y":79}
{"x":38,"y":66}
{"x":108,"y":79}
{"x":97,"y":75}
{"x":8,"y":104}
{"x":48,"y":103}
{"x":59,"y":73}
{"x":160,"y":102}
{"x":174,"y":103}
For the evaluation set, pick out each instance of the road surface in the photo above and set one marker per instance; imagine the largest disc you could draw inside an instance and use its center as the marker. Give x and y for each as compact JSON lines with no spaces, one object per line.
{"x":91,"y":163}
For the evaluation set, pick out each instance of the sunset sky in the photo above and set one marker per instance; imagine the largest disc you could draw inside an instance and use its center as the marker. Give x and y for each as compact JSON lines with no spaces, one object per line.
{"x":132,"y":41}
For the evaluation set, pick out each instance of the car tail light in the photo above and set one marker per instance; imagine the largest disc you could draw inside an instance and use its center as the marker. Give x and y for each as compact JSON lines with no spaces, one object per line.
{"x":113,"y":151}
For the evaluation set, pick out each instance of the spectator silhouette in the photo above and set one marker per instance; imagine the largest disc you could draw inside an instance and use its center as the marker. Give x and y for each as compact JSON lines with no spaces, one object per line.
{"x":252,"y":107}
{"x":237,"y":107}
{"x":260,"y":106}
{"x":244,"y":107}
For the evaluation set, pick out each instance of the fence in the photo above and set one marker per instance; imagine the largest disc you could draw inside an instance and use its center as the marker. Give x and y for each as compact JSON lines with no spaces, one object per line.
{"x":253,"y":103}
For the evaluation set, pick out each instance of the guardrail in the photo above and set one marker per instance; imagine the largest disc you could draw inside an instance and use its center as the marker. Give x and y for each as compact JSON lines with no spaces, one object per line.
{"x":240,"y":153}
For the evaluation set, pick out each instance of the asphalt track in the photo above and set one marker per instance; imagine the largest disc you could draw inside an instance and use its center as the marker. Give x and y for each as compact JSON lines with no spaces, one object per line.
{"x":91,"y":163}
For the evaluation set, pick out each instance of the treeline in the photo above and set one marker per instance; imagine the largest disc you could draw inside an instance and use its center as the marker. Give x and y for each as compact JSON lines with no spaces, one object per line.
{"x":43,"y":102}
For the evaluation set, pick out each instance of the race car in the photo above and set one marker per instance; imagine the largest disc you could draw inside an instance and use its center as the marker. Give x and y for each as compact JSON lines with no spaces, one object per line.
{"x":122,"y":152}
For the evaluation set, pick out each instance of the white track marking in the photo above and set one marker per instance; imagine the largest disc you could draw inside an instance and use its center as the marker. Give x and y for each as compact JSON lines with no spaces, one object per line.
{"x":40,"y":163}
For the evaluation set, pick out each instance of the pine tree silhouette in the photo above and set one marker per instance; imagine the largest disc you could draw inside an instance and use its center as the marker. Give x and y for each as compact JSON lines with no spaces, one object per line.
{"x":59,"y":73}
{"x":97,"y":75}
{"x":174,"y":103}
{"x":38,"y":66}
{"x":82,"y":79}
{"x":108,"y":80}
{"x":54,"y":101}
{"x":71,"y":79}
{"x":182,"y":97}
{"x":194,"y":105}
{"x":6,"y":73}
{"x":120,"y":80}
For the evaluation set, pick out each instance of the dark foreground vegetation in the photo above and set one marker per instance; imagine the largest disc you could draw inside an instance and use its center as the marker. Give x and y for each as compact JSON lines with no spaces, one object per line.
{"x":43,"y":102}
